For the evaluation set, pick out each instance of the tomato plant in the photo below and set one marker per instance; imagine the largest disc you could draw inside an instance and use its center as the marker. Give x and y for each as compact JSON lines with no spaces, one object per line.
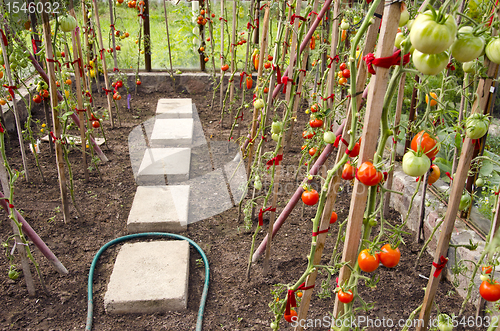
{"x":368,"y":262}
{"x":368,"y":174}
{"x":345,"y":297}
{"x":310,"y":197}
{"x":490,"y":290}
{"x":389,"y":256}
{"x":424,"y":142}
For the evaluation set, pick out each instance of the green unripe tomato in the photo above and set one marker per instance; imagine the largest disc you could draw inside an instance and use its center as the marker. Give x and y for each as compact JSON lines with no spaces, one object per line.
{"x":399,"y":39}
{"x":404,"y":18}
{"x":465,"y":201}
{"x":277,"y":127}
{"x":258,"y":104}
{"x":257,"y":184}
{"x":469,"y":67}
{"x":275,"y":137}
{"x":329,"y":137}
{"x":274,"y":326}
{"x":479,"y":182}
{"x":13,"y":273}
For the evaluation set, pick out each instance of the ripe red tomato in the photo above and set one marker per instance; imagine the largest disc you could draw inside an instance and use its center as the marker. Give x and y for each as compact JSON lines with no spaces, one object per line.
{"x":45,"y":94}
{"x":368,"y":262}
{"x":346,"y":73}
{"x":333,"y":218}
{"x":266,"y":89}
{"x":343,"y":66}
{"x":308,"y":135}
{"x":311,"y":197}
{"x":138,"y":82}
{"x":486,"y":269}
{"x":427,"y":144}
{"x":490,"y":290}
{"x":37,"y":98}
{"x":267,"y":65}
{"x":314,"y":107}
{"x":313,"y":151}
{"x":316,"y":123}
{"x":368,"y":174}
{"x":389,"y":256}
{"x":119,"y":84}
{"x":225,"y":67}
{"x":345,"y":297}
{"x":249,"y":82}
{"x":355,"y":149}
{"x":96,"y":124}
{"x":269,"y":57}
{"x":63,"y":54}
{"x":289,"y":318}
{"x":349,"y":172}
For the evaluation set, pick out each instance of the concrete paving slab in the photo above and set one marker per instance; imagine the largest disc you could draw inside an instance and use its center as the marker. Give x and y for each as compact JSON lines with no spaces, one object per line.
{"x":208,"y":196}
{"x":164,"y":165}
{"x":174,"y":108}
{"x":149,"y":277}
{"x":159,"y":209}
{"x":172,"y":132}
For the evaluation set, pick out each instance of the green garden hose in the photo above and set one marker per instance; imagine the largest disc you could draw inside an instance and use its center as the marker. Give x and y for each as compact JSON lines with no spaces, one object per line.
{"x":90,"y":312}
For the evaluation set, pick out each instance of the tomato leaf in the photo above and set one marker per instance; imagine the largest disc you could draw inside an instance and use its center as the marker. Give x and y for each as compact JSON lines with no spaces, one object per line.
{"x":486,"y":168}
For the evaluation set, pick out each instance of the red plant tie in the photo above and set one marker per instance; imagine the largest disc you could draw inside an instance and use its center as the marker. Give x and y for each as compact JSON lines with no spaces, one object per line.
{"x":337,"y":140}
{"x":264,"y":138}
{"x":33,"y":42}
{"x":55,"y":61}
{"x":262,"y":7}
{"x":80,"y":110}
{"x":302,"y":70}
{"x":290,"y":301}
{"x":274,"y":161}
{"x":294,"y":16}
{"x":449,"y":176}
{"x":284,"y":81}
{"x":312,"y":12}
{"x":106,"y":90}
{"x":1,"y":128}
{"x":222,"y":18}
{"x":385,"y":62}
{"x":331,"y":96}
{"x":314,"y":234}
{"x":303,"y":287}
{"x":54,"y":138}
{"x":497,"y":192}
{"x":450,"y":66}
{"x":261,"y":214}
{"x":279,"y":78}
{"x":115,"y":69}
{"x":250,"y":25}
{"x":11,"y":89}
{"x":439,"y":266}
{"x":141,"y":16}
{"x":241,"y":116}
{"x":243,"y":74}
{"x":100,"y":51}
{"x":4,"y":38}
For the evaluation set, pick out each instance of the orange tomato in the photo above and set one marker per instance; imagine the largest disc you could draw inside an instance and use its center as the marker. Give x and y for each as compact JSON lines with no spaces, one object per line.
{"x":434,"y":175}
{"x":368,"y":262}
{"x":389,"y":256}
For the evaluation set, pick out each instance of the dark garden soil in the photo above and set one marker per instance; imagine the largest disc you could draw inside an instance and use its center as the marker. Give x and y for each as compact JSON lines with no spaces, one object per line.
{"x":233,"y":303}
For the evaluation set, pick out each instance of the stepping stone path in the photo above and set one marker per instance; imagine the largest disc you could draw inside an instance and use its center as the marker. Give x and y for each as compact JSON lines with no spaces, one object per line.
{"x":181,"y":179}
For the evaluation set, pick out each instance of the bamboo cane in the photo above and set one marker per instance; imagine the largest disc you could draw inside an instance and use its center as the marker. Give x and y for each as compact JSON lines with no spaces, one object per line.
{"x":55,"y":119}
{"x":233,"y":56}
{"x":376,"y":94}
{"x":222,"y":19}
{"x":103,"y":60}
{"x":113,"y":43}
{"x":78,"y":68}
{"x":11,"y":89}
{"x":397,"y":119}
{"x":168,"y":38}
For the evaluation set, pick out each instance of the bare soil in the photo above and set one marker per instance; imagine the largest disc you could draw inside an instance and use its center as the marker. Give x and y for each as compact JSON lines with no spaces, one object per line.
{"x":233,"y":303}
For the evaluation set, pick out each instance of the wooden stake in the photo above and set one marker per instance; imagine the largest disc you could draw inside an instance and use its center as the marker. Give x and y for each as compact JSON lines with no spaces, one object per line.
{"x":113,"y":44}
{"x":411,"y":116}
{"x":11,"y":89}
{"x":480,"y":105}
{"x":25,"y":262}
{"x":103,"y":60}
{"x":78,"y":68}
{"x":147,"y":37}
{"x":371,"y":38}
{"x":233,"y":57}
{"x":55,"y":119}
{"x":376,"y":94}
